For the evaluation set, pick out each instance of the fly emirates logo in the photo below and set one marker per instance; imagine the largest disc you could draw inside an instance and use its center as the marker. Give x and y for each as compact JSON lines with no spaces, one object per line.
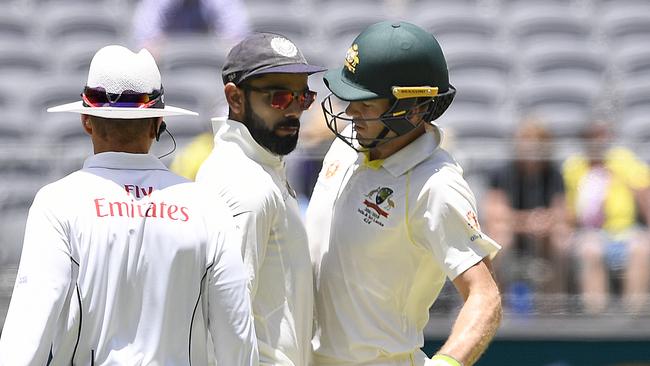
{"x":133,"y":208}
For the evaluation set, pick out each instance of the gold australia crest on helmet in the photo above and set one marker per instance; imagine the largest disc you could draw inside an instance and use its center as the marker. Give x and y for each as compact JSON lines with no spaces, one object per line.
{"x":352,"y":58}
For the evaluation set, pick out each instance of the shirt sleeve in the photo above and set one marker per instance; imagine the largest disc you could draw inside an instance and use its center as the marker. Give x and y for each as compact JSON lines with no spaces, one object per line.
{"x":42,"y":285}
{"x":230,"y":312}
{"x":445,"y":221}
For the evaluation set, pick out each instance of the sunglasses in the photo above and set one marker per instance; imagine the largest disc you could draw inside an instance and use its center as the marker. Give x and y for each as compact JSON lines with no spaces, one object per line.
{"x":282,"y":98}
{"x":99,"y":97}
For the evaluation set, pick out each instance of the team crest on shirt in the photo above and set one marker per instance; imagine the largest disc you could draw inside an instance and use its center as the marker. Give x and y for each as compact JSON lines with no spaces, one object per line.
{"x":352,"y":58}
{"x":332,"y":168}
{"x":378,"y":205}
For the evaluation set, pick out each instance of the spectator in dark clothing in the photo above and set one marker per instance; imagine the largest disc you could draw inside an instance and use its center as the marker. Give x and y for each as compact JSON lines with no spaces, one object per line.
{"x":525,"y":213}
{"x":156,"y":19}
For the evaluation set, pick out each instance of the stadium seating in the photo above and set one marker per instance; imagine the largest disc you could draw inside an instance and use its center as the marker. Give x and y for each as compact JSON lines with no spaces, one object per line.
{"x":61,"y":24}
{"x":530,"y":23}
{"x":75,"y":56}
{"x":634,"y":99}
{"x":561,"y":57}
{"x":631,"y":62}
{"x":11,"y":98}
{"x":22,"y":58}
{"x":479,"y":60}
{"x":52,"y":91}
{"x":15,"y":126}
{"x":344,"y":26}
{"x":192,"y":54}
{"x":623,"y":23}
{"x":15,"y":26}
{"x":456,"y":24}
{"x":292,"y":21}
{"x":566,"y":104}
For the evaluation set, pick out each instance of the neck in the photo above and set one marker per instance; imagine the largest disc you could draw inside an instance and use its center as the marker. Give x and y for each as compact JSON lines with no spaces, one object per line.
{"x":135,"y":148}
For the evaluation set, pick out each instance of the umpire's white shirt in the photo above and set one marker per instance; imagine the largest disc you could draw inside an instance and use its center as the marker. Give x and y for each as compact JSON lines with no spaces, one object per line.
{"x":253,"y":182}
{"x":384,"y":236}
{"x":124,"y":263}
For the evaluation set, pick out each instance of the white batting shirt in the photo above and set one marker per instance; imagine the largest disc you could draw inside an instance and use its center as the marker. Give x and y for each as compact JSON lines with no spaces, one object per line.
{"x":253,"y":183}
{"x":124,"y":263}
{"x":384,"y":236}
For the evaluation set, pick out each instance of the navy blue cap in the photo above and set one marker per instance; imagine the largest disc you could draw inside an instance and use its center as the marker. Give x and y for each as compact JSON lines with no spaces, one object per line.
{"x":264,"y":53}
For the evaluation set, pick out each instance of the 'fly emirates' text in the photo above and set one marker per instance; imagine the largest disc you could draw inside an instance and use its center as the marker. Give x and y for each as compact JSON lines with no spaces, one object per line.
{"x":161,"y":210}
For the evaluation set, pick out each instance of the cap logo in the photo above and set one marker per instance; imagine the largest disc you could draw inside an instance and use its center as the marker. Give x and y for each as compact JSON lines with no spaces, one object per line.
{"x":352,"y":58}
{"x":284,"y":47}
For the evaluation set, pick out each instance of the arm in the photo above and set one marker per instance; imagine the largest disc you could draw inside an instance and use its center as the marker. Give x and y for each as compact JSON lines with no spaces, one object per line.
{"x":479,"y":317}
{"x":454,"y":237}
{"x":42,"y":285}
{"x":230,"y":312}
{"x":643,"y":200}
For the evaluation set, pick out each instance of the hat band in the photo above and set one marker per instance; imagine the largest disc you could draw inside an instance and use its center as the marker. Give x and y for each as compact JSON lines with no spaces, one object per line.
{"x":98,"y":97}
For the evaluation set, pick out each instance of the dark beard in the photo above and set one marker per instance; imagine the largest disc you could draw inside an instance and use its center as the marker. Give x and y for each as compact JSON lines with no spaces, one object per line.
{"x":266,"y":137}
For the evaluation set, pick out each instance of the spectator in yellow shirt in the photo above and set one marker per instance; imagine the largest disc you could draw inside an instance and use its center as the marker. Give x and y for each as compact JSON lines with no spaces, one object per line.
{"x":187,"y":162}
{"x":606,"y":188}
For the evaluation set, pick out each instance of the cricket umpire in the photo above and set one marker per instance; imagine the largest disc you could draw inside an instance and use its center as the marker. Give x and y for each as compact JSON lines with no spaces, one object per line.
{"x":123,"y":262}
{"x":391,"y":217}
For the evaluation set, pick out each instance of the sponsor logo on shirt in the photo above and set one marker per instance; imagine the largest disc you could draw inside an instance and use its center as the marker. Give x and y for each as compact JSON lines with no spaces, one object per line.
{"x":472,"y":221}
{"x":378,"y":204}
{"x":161,"y":210}
{"x":138,"y":192}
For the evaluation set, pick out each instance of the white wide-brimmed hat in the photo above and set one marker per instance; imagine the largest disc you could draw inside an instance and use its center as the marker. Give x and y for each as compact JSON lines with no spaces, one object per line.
{"x":116,"y":70}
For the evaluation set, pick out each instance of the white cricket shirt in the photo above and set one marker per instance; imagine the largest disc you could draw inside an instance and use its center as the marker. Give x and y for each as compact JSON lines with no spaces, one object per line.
{"x":253,"y":183}
{"x":384,"y":236}
{"x":124,"y":263}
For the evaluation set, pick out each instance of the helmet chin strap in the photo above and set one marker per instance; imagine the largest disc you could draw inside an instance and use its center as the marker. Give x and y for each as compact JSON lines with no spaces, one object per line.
{"x":378,"y":138}
{"x":395,"y":119}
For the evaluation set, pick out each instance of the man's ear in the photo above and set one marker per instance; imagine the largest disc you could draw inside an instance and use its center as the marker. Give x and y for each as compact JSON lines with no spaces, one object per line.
{"x":85,"y":123}
{"x":235,"y":98}
{"x":157,"y":131}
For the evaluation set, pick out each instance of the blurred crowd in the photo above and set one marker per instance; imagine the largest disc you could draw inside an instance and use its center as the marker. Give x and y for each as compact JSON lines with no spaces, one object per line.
{"x":576,"y":226}
{"x":569,"y":204}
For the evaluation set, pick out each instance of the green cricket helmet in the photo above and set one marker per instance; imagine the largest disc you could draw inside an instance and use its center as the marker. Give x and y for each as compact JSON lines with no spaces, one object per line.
{"x":395,"y":60}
